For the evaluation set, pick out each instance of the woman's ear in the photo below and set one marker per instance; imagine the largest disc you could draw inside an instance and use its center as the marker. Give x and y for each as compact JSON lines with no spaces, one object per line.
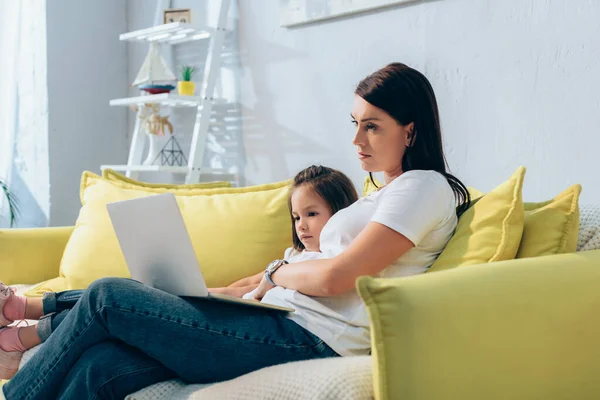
{"x":411,"y":133}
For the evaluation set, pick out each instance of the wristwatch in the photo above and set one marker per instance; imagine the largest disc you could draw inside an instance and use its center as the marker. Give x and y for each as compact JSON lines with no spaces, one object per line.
{"x":271,"y":268}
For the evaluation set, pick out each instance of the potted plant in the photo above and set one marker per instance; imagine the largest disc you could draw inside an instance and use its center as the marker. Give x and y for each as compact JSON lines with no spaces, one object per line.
{"x":185,"y":86}
{"x":12,"y":203}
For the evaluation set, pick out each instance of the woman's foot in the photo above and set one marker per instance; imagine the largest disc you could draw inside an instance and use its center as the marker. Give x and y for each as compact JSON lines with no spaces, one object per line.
{"x":12,"y":307}
{"x":11,"y":352}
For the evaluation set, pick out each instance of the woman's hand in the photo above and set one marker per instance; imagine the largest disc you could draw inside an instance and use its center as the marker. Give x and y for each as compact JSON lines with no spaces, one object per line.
{"x":263,"y":287}
{"x":238,"y":291}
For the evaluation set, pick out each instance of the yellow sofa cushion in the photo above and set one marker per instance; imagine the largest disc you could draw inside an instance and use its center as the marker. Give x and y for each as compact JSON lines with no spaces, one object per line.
{"x":31,"y":255}
{"x":490,"y":230}
{"x":551,"y":227}
{"x":128,"y":183}
{"x":368,"y":186}
{"x":236,"y":232}
{"x":518,"y":329}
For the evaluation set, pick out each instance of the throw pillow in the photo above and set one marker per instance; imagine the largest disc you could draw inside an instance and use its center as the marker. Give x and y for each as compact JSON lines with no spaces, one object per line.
{"x":235,"y":232}
{"x":551,"y":227}
{"x":490,"y":230}
{"x":369,"y":187}
{"x":126,"y":183}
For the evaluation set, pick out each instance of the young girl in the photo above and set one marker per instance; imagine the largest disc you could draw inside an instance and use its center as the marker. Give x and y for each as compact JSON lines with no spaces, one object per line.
{"x":317,"y":193}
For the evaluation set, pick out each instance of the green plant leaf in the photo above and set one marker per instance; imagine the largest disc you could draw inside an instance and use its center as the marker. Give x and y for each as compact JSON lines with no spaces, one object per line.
{"x":187,"y":72}
{"x":13,"y":206}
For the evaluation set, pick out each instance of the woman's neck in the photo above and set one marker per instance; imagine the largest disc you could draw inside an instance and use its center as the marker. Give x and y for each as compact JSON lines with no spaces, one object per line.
{"x":390,"y":176}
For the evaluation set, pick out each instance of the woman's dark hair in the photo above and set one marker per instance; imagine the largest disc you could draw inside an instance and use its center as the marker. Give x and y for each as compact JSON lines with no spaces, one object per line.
{"x":407,"y":96}
{"x":332,"y":185}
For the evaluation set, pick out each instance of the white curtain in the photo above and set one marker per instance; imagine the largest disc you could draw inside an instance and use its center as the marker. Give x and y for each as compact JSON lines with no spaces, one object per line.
{"x":9,"y":34}
{"x":24,"y":110}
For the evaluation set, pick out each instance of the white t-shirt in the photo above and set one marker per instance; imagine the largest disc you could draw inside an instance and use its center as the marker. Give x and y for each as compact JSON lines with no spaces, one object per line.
{"x":291,"y":255}
{"x":418,"y":204}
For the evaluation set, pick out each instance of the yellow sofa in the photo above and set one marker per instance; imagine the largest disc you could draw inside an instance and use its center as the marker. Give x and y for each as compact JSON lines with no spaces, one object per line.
{"x":33,"y":255}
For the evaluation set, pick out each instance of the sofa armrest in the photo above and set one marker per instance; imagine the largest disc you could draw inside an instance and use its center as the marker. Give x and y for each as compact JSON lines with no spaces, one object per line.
{"x":524,"y":328}
{"x":31,"y":255}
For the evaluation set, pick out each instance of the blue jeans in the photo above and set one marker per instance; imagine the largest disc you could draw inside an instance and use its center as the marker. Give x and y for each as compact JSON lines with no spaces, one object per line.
{"x":55,"y":307}
{"x":122,"y":336}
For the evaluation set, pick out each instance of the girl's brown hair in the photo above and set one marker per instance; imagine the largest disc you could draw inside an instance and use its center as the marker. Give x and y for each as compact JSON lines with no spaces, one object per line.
{"x":332,"y":185}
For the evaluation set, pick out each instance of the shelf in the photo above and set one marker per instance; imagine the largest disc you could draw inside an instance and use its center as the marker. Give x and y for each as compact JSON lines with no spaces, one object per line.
{"x":162,"y":168}
{"x":165,"y":99}
{"x":173,"y":33}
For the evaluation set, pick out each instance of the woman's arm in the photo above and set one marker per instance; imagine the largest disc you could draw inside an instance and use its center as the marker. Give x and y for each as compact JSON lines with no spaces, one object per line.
{"x":376,"y":247}
{"x":250,"y":280}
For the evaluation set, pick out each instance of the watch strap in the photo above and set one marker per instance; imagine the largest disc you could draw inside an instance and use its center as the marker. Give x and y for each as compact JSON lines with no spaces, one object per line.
{"x":270,"y":271}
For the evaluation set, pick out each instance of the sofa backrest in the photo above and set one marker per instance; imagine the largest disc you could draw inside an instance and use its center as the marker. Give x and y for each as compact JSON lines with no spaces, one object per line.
{"x":589,"y":227}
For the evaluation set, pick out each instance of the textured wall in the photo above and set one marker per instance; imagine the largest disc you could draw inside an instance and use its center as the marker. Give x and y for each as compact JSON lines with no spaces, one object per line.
{"x":517,"y":83}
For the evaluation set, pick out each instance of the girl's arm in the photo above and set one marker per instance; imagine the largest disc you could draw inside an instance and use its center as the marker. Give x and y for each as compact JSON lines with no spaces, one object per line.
{"x":251,"y":280}
{"x":376,"y":247}
{"x":237,"y":291}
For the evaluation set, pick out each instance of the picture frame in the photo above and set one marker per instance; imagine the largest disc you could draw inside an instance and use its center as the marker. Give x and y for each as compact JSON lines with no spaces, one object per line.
{"x":295,"y":13}
{"x":171,"y":15}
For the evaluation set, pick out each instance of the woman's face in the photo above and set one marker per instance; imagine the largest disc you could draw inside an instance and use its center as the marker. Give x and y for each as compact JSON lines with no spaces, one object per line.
{"x":380,"y":140}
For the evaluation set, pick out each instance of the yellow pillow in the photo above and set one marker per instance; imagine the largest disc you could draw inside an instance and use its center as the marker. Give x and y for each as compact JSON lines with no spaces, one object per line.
{"x":368,"y":186}
{"x":519,"y":329}
{"x":490,"y":230}
{"x":236,"y":232}
{"x":475,"y":194}
{"x":111,"y":175}
{"x":551,"y":227}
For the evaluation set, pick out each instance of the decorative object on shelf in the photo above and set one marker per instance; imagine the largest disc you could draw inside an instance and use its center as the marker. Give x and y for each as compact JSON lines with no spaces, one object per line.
{"x":177,"y":15}
{"x":155,"y":76}
{"x":185,"y":86}
{"x":156,"y":89}
{"x":13,"y":208}
{"x":155,"y":126}
{"x":155,"y":123}
{"x":156,"y":143}
{"x":171,"y":154}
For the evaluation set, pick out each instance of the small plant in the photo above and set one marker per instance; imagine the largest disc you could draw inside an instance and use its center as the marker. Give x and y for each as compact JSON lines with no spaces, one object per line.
{"x":12,"y":203}
{"x":187,"y":72}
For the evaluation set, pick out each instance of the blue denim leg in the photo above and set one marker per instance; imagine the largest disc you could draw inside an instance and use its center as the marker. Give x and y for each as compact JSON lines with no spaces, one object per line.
{"x":112,"y":370}
{"x":55,"y":307}
{"x":56,"y":302}
{"x":200,"y":340}
{"x":48,"y":324}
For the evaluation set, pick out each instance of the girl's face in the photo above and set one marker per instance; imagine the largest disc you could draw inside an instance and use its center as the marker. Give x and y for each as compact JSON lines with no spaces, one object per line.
{"x":380,"y":140}
{"x":310,"y":213}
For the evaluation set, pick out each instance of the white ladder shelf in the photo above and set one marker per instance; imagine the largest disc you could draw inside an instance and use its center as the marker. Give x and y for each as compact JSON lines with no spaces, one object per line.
{"x":176,"y":33}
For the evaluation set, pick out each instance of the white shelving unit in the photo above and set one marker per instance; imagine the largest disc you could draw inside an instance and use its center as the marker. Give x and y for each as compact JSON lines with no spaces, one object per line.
{"x":173,"y":34}
{"x":164,"y":99}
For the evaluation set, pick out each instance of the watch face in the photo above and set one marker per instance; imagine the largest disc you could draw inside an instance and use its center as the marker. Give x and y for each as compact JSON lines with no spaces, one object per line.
{"x":272,"y":264}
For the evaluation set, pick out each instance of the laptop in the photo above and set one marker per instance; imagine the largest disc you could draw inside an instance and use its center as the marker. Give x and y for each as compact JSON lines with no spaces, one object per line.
{"x":158,"y":249}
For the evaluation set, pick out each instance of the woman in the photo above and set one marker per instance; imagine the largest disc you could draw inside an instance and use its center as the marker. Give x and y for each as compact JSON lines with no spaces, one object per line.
{"x":122,"y":336}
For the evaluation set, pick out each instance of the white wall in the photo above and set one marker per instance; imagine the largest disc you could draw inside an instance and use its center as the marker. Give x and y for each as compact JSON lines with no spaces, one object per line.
{"x":517,"y":83}
{"x":87,"y":66}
